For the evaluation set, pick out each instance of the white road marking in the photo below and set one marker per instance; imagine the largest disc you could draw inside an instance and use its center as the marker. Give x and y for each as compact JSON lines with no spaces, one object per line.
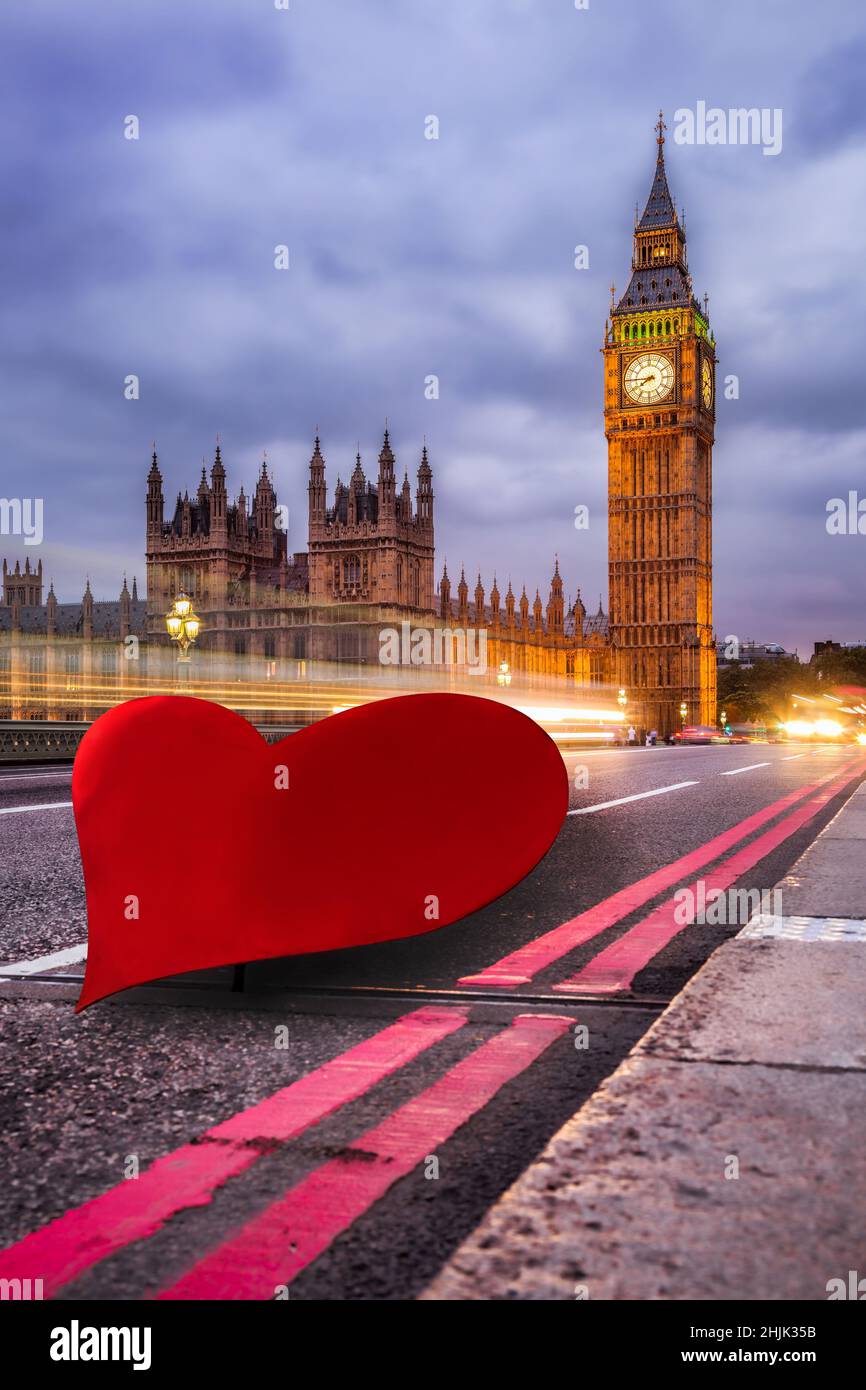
{"x":33,"y":776}
{"x":792,"y":757}
{"x":638,"y":796}
{"x":71,"y":956}
{"x":732,"y":772}
{"x":44,"y":806}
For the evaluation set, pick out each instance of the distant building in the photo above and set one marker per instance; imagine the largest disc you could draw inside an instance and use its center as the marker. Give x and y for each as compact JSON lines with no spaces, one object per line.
{"x":830,"y":646}
{"x":750,"y":652}
{"x":23,"y":611}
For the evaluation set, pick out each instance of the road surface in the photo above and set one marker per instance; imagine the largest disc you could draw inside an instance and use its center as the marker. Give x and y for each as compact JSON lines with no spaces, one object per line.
{"x":467,"y":1048}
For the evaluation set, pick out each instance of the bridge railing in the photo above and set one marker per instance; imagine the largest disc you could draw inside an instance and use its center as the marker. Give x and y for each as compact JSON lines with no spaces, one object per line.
{"x":41,"y":741}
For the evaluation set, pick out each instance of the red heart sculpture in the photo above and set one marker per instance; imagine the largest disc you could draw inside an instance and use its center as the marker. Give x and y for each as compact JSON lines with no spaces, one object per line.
{"x":203,"y":845}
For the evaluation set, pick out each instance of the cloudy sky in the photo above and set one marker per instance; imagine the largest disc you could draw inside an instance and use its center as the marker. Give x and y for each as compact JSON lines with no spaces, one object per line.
{"x":411,"y":257}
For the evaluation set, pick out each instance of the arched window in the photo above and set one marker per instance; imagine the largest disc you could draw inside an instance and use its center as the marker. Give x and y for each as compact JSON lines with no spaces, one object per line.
{"x":667,"y":328}
{"x":351,"y":571}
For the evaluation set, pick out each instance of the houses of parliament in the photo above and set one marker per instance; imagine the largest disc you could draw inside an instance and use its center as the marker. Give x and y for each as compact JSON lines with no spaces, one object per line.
{"x":370,"y":554}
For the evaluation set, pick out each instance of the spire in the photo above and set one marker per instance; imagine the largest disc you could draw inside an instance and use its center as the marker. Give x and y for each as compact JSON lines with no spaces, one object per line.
{"x":218,"y":471}
{"x":386,"y":454}
{"x":659,"y":210}
{"x":134,"y":589}
{"x":445,"y":594}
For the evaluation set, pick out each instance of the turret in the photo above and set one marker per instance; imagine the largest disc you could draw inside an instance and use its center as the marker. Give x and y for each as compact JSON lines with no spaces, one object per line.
{"x":479,"y":603}
{"x":155,"y":502}
{"x":51,"y":611}
{"x":357,"y":484}
{"x":494,"y":603}
{"x":219,"y":500}
{"x":406,"y":501}
{"x":524,"y":610}
{"x":125,"y":611}
{"x":444,"y":595}
{"x":87,"y":612}
{"x":316,"y":486}
{"x":265,"y":504}
{"x":387,"y":482}
{"x":424,"y":493}
{"x":555,"y":605}
{"x":579,"y":616}
{"x":462,"y":599}
{"x":203,"y":489}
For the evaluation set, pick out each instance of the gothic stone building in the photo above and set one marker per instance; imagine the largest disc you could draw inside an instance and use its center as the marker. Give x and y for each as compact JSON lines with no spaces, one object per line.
{"x":659,"y":414}
{"x":369,"y":564}
{"x":56,"y":657}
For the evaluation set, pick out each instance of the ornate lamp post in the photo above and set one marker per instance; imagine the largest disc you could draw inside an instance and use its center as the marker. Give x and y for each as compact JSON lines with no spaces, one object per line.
{"x":622,"y":700}
{"x":182,"y":625}
{"x":504,"y":674}
{"x":684,"y":710}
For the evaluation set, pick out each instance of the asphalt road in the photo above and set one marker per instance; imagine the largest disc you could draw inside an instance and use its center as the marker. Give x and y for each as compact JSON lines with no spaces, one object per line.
{"x":138,"y":1076}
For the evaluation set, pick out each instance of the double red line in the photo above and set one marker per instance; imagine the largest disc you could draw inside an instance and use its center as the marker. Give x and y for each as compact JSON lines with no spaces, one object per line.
{"x":621,"y":962}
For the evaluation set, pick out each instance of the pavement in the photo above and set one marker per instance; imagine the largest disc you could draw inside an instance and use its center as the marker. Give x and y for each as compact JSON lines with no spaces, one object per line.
{"x":725,"y":1158}
{"x":349,"y":1204}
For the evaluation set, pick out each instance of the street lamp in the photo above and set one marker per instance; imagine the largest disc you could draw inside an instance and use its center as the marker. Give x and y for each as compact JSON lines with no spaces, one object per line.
{"x":182,"y":625}
{"x":504,"y":675}
{"x":621,"y":699}
{"x":684,"y":709}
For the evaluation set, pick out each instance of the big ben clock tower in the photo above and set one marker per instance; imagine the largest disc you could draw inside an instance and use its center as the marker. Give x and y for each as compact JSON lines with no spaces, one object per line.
{"x":659,"y":417}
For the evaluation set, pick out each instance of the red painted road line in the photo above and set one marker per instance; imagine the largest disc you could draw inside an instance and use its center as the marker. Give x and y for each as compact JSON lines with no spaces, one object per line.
{"x":614,"y":969}
{"x":187,"y":1177}
{"x":521,"y":965}
{"x":288,"y":1235}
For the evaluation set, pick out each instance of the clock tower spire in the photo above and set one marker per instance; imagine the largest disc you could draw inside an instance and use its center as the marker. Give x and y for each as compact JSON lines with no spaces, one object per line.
{"x":659,"y":412}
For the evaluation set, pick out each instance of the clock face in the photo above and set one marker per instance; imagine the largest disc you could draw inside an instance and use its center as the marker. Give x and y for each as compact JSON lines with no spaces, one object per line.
{"x":649,"y":378}
{"x":707,"y":383}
